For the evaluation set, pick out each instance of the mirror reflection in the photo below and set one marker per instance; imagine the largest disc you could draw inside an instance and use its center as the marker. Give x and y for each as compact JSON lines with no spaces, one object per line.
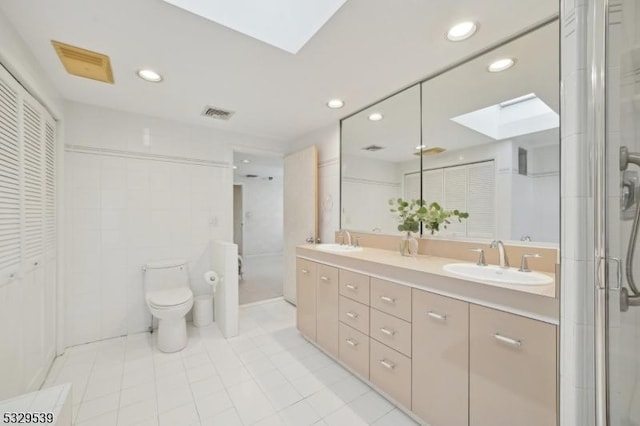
{"x":490,"y":147}
{"x":379,"y":161}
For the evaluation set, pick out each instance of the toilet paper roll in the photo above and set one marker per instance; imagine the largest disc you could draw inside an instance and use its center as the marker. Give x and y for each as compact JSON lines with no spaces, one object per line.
{"x":212,"y":279}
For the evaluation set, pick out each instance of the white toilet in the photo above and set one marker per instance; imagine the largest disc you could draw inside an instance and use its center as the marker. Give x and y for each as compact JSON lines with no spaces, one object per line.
{"x":169,"y":298}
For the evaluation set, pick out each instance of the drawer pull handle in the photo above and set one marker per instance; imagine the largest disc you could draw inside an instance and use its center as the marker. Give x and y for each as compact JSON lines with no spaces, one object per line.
{"x":437,"y":316}
{"x":352,"y":342}
{"x":387,"y":364}
{"x":507,"y":340}
{"x":352,"y":315}
{"x":323,"y":278}
{"x":351,"y":287}
{"x":387,"y":299}
{"x":387,"y":331}
{"x":305,"y":271}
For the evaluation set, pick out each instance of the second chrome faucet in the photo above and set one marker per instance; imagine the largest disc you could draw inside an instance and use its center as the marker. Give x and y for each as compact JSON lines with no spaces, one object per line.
{"x":504,"y":260}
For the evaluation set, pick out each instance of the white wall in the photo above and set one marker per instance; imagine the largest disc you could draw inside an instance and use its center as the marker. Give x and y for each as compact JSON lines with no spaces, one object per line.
{"x":367,"y":185}
{"x":263,"y":216}
{"x":139,"y":188}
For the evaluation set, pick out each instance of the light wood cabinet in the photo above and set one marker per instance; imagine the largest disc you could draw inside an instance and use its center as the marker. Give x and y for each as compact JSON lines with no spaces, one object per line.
{"x":327,"y":308}
{"x":392,"y":298}
{"x":306,"y":274}
{"x":391,"y":331}
{"x":354,"y":314}
{"x":354,"y":349}
{"x":440,"y":355}
{"x":391,"y":372}
{"x":451,"y":362}
{"x":513,"y":370}
{"x":354,"y":286}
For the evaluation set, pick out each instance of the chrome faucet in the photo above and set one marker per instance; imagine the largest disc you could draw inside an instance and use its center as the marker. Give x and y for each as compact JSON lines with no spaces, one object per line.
{"x":504,"y":260}
{"x":342,"y":234}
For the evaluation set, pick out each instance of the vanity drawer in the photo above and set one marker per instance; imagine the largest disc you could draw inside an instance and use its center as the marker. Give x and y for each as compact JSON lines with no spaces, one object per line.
{"x":354,"y":286}
{"x":354,"y":350}
{"x":391,"y":331}
{"x":354,"y":314}
{"x":391,"y":372}
{"x":392,"y":298}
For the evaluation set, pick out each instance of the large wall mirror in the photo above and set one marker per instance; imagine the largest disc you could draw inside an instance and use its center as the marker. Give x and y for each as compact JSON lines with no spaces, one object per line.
{"x":489,"y":146}
{"x":379,"y":161}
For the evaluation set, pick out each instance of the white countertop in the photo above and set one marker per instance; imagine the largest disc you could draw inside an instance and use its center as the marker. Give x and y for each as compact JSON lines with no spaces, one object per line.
{"x":426,"y":272}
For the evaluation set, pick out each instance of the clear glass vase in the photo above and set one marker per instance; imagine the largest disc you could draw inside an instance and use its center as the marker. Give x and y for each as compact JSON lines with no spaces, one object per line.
{"x":409,"y":245}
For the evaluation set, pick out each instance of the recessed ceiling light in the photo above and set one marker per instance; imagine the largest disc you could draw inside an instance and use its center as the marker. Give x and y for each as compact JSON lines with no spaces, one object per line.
{"x":421,"y":147}
{"x":501,"y":65}
{"x":149,"y":75}
{"x":376,"y":116}
{"x":235,"y":167}
{"x":462,"y":31}
{"x":246,"y":161}
{"x":335,"y":103}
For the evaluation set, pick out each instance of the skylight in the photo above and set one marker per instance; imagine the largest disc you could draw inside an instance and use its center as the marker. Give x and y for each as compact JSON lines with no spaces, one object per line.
{"x":286,"y":24}
{"x":515,"y":117}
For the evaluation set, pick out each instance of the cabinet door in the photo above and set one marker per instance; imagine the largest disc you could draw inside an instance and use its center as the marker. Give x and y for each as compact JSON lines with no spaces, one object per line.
{"x":512,"y":370}
{"x":306,"y":272}
{"x":327,"y":305}
{"x":440,"y":370}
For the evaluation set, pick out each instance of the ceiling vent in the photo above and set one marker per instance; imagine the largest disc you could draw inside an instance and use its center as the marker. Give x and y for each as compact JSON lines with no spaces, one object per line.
{"x":84,"y":63}
{"x":430,"y":151}
{"x":373,"y":148}
{"x":217,"y":113}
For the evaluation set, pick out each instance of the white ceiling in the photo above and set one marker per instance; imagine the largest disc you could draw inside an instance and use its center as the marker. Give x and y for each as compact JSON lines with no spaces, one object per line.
{"x":367,"y":50}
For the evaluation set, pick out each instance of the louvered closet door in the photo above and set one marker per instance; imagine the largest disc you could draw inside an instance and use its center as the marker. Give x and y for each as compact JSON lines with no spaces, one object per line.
{"x":455,"y":197}
{"x":33,"y":126}
{"x":480,"y":200}
{"x":10,"y":248}
{"x":50,"y":187}
{"x":432,"y":186}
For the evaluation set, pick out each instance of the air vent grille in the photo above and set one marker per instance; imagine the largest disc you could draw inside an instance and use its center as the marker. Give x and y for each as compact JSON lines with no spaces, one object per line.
{"x":84,"y":63}
{"x":251,"y":176}
{"x":217,"y":113}
{"x":430,"y":151}
{"x":373,"y":148}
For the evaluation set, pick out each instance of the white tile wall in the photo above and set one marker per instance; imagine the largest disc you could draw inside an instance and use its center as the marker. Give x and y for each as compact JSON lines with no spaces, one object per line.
{"x":577,"y":406}
{"x":124,"y":210}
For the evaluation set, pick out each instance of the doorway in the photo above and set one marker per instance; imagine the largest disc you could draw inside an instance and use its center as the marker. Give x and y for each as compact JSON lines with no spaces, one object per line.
{"x":258,"y":226}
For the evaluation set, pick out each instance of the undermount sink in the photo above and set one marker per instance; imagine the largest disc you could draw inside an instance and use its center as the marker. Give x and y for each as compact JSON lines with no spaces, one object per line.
{"x":338,"y":248}
{"x":496,"y":274}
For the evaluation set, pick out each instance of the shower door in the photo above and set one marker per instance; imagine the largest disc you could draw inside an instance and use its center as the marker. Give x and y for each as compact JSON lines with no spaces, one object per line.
{"x":619,"y":293}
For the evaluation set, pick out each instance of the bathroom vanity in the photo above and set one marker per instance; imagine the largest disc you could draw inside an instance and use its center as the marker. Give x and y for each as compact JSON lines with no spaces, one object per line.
{"x":450,"y":351}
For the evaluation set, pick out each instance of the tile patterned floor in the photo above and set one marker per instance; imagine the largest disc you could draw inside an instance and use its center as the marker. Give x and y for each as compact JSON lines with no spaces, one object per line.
{"x":262,"y":278}
{"x":267,"y":376}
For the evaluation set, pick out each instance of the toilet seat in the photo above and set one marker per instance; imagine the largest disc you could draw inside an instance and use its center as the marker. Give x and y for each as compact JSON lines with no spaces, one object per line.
{"x":169,"y":298}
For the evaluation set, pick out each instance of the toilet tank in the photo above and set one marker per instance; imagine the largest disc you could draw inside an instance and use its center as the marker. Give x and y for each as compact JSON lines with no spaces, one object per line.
{"x":164,"y":274}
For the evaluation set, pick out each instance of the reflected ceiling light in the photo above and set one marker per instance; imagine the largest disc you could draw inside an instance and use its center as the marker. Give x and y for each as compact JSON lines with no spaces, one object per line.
{"x":421,"y":147}
{"x":501,"y":65}
{"x":149,"y":75}
{"x":376,"y":116}
{"x":462,"y":31}
{"x":335,"y":103}
{"x":246,"y":161}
